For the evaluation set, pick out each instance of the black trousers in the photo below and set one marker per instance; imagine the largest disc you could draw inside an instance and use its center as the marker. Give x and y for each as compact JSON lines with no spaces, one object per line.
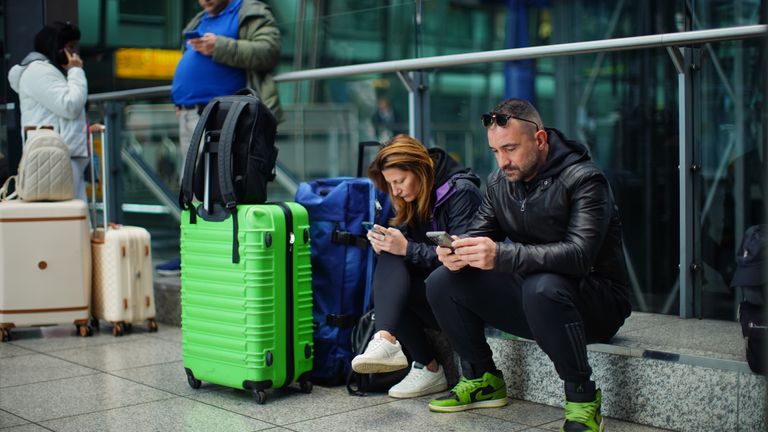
{"x":561,"y":314}
{"x":401,"y":305}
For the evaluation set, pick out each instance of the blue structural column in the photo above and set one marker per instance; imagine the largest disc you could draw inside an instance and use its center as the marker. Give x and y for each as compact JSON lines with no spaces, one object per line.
{"x":518,"y":75}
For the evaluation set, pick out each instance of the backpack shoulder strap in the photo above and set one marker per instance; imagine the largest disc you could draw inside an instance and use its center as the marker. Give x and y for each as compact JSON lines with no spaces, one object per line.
{"x":185,"y":195}
{"x":4,"y":195}
{"x":226,"y":184}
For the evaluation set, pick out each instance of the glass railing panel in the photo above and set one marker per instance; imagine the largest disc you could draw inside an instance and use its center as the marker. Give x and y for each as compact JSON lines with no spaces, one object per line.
{"x":595,"y":100}
{"x":729,"y":110}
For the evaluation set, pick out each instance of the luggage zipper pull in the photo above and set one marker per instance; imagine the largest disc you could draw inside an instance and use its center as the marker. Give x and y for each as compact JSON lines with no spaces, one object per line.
{"x":291,"y":241}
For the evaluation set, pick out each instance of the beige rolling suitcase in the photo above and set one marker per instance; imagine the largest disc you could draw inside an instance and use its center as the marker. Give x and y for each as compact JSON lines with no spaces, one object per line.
{"x":123,"y":290}
{"x":45,"y":265}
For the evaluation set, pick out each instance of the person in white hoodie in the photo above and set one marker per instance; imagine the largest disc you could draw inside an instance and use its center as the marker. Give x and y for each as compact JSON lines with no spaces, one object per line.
{"x":53,"y":90}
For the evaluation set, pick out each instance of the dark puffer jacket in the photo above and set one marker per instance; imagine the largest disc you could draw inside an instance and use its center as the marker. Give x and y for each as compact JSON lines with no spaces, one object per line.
{"x":453,"y":215}
{"x":564,"y":220}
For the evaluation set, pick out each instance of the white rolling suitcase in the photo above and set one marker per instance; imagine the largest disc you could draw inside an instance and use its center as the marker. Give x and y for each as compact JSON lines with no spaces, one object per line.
{"x":45,"y":265}
{"x":123,"y":289}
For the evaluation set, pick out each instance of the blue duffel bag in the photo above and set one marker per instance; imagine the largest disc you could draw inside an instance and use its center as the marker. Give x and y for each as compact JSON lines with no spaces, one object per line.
{"x":342,"y":265}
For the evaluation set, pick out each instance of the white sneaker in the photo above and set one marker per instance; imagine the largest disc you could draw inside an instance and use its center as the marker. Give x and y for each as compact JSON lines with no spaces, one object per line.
{"x":380,"y":356}
{"x":420,"y":381}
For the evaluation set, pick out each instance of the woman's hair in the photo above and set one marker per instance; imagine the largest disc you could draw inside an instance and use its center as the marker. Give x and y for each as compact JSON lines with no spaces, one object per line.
{"x":50,"y":41}
{"x":408,"y":154}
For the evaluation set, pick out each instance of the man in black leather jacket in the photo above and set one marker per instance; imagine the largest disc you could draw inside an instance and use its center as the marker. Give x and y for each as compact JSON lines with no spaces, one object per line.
{"x":542,"y":260}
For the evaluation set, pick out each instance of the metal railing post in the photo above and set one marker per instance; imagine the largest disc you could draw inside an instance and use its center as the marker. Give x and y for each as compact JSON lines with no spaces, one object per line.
{"x":418,"y":104}
{"x":688,"y":168}
{"x":113,"y":111}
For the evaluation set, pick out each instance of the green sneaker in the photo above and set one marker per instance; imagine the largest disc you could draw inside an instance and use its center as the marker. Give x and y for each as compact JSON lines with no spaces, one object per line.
{"x":489,"y":391}
{"x":583,"y":416}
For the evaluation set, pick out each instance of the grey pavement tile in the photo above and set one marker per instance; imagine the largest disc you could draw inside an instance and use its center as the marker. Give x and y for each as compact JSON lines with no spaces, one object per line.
{"x":58,"y":338}
{"x":405,"y":416}
{"x":178,"y":414}
{"x":720,"y":339}
{"x":139,"y":352}
{"x":9,"y":349}
{"x":7,"y":420}
{"x":168,"y":376}
{"x":524,"y":412}
{"x":285,"y":406}
{"x":613,"y":425}
{"x":27,"y":428}
{"x":168,"y":332}
{"x":74,"y":396}
{"x":35,"y":368}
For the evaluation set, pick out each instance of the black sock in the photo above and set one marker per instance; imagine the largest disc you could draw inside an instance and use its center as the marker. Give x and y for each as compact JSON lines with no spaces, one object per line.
{"x":580,"y":392}
{"x":477,"y":370}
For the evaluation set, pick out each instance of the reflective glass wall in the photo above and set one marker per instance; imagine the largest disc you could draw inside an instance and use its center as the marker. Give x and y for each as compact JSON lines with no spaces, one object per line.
{"x":623,"y":105}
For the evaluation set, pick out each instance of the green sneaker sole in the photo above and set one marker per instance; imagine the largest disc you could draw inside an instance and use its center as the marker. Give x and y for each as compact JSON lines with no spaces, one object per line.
{"x":600,"y":427}
{"x":494,"y":403}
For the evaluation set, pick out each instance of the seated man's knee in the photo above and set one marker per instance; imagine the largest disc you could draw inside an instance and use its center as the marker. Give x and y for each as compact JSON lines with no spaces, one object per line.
{"x":439,"y":282}
{"x":540,"y":289}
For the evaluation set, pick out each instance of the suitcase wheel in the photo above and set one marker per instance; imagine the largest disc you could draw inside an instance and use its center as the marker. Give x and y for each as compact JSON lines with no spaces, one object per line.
{"x":5,"y":334}
{"x":152,"y":325}
{"x":94,"y":322}
{"x":85,"y":330}
{"x":118,"y":329}
{"x":260,"y":396}
{"x":192,"y":381}
{"x":306,"y":386}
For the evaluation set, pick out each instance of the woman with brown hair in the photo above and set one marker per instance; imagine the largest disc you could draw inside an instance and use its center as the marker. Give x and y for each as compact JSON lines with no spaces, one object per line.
{"x":430,"y":192}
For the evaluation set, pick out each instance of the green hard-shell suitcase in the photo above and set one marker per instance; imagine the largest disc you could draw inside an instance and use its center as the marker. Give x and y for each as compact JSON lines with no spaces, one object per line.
{"x":247,"y":324}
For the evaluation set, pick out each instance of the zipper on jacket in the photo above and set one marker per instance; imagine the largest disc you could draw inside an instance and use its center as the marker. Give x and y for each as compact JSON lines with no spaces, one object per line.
{"x":522,"y":205}
{"x":290,"y":240}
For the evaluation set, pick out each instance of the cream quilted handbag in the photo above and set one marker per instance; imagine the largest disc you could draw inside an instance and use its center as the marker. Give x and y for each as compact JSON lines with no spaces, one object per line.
{"x":45,"y":171}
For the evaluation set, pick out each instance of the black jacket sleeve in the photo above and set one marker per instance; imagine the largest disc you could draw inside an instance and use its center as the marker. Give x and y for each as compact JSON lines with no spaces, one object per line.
{"x":455,"y":217}
{"x":590,"y":214}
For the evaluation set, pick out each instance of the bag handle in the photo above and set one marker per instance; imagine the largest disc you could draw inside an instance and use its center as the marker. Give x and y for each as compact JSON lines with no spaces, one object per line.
{"x":361,"y":154}
{"x":226,"y":183}
{"x":4,"y":196}
{"x":247,"y":91}
{"x":186,"y":195}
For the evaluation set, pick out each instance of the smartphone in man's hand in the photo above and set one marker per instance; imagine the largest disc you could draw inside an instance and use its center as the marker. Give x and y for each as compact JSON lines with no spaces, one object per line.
{"x":441,"y":238}
{"x":194,"y":34}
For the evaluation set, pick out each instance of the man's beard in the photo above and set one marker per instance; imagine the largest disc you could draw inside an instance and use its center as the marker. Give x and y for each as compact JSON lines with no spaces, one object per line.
{"x":515,"y":173}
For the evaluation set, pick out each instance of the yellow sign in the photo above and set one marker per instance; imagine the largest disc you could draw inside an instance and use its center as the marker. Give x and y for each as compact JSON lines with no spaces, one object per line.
{"x":146,"y":63}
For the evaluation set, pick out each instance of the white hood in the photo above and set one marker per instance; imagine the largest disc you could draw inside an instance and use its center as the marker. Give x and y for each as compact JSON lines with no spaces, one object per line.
{"x":47,"y":97}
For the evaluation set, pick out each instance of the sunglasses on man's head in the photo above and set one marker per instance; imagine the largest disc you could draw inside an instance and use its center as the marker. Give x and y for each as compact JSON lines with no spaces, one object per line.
{"x":502,"y":119}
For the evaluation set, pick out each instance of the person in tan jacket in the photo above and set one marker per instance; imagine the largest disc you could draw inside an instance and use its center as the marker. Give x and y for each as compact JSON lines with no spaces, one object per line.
{"x":229,"y":45}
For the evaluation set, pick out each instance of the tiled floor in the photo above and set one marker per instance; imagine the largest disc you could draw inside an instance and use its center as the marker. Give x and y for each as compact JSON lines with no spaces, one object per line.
{"x":53,"y":380}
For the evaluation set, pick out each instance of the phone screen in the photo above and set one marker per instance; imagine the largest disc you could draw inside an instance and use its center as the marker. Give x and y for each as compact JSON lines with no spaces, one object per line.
{"x":194,"y":34}
{"x":440,"y":238}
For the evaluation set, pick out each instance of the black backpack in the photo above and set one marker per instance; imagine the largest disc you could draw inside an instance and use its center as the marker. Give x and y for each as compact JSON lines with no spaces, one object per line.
{"x":238,"y":137}
{"x":362,"y":384}
{"x":750,"y":276}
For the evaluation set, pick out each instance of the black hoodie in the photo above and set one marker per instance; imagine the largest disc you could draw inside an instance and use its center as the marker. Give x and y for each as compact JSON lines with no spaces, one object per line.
{"x":563,"y":221}
{"x":452,"y":213}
